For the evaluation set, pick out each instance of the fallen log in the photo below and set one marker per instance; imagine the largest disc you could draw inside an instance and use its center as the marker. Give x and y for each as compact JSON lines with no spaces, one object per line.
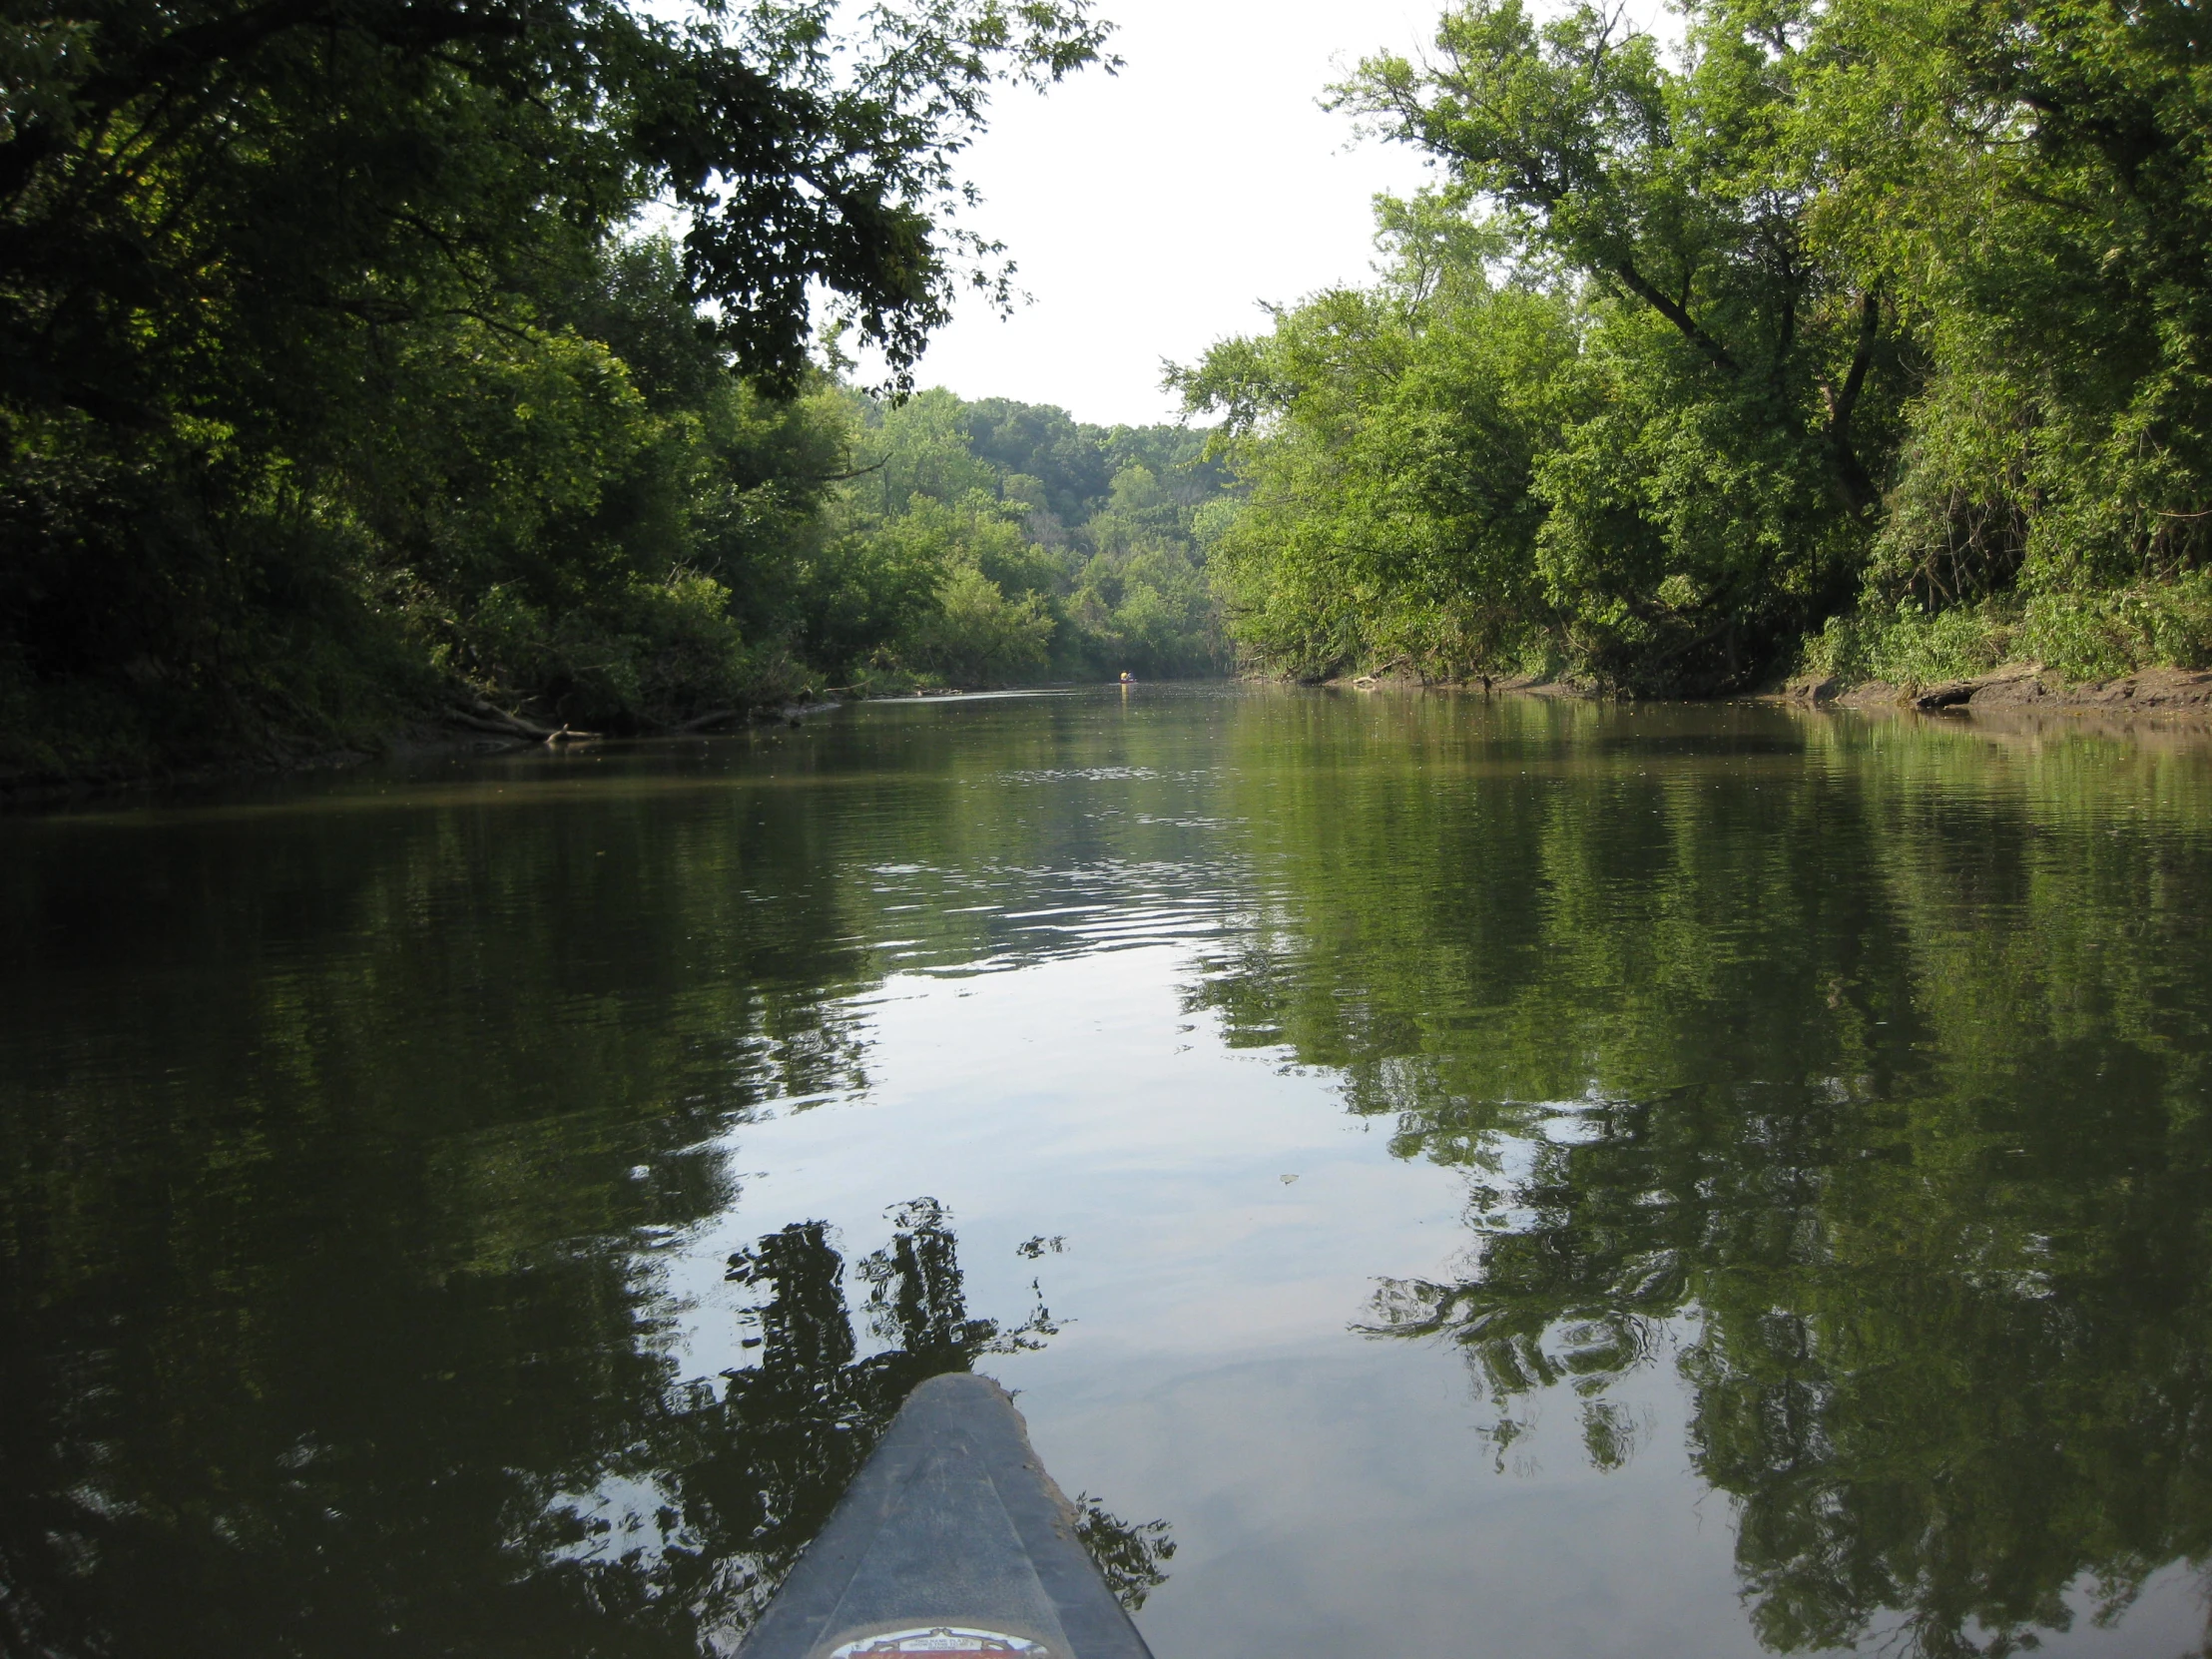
{"x":480,"y":715}
{"x":699,"y":723}
{"x":505,"y":728}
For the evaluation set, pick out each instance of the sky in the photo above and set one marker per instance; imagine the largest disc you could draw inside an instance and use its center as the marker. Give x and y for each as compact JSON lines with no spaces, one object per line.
{"x":1151,"y":213}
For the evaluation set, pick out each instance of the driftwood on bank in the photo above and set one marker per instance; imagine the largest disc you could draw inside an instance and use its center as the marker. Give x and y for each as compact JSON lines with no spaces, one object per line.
{"x":480,"y":715}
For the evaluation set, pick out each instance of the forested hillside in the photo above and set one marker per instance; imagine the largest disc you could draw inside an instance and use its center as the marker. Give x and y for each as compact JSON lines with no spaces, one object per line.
{"x":1037,"y":547}
{"x":338,"y":383}
{"x":1869,"y":336}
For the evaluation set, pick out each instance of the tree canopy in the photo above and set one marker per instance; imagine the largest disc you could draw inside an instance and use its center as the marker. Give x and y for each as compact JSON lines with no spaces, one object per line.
{"x":220,"y":185}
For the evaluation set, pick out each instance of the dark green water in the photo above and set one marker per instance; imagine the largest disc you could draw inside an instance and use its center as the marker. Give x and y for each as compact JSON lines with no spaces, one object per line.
{"x":1445,"y":1177}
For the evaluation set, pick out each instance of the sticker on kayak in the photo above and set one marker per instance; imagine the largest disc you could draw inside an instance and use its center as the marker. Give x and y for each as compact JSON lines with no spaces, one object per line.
{"x":939,"y":1639}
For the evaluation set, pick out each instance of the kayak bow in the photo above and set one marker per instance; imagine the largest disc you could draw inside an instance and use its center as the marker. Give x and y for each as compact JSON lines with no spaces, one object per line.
{"x":952,"y":1541}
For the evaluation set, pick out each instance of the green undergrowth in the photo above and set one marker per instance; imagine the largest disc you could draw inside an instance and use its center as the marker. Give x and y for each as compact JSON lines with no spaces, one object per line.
{"x":2081,"y":637}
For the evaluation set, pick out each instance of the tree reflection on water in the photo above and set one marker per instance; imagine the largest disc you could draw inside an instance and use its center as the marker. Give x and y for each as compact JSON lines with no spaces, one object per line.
{"x":1869,"y":1090}
{"x":1940,"y":1406}
{"x":338,"y":1148}
{"x":1857,"y":1072}
{"x":742,"y":1479}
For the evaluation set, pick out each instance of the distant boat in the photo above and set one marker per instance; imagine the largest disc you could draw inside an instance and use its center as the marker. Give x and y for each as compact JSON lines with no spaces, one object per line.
{"x":952,"y":1541}
{"x":1127,"y":677}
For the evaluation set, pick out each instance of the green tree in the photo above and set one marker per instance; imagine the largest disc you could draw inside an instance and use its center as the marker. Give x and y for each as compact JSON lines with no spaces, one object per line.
{"x":2030,"y":181}
{"x":1711,"y":506}
{"x":976,"y":635}
{"x":1390,"y":442}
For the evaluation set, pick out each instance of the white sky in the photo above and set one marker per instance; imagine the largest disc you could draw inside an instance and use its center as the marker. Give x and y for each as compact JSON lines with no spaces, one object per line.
{"x":1151,"y":212}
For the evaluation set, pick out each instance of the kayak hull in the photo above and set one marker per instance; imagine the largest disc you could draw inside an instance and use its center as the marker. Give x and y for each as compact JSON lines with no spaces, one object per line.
{"x":951,"y":1541}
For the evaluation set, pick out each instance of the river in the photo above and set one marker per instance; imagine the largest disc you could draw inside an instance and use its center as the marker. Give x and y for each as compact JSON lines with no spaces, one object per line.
{"x":1442,"y":1175}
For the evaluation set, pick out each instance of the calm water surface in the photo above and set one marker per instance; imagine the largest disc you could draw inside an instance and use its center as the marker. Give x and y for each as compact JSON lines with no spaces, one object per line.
{"x":1444,"y":1176}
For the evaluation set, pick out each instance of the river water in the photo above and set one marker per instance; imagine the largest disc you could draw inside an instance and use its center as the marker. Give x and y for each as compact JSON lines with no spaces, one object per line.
{"x":1443,"y":1176}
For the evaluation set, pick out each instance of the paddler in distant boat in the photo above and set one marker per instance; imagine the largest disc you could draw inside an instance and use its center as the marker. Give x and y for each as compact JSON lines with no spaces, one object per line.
{"x":1127,"y":677}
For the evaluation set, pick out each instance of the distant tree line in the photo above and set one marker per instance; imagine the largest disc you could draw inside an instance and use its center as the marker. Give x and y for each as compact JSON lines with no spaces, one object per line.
{"x":1011,"y":542}
{"x":1869,"y":336}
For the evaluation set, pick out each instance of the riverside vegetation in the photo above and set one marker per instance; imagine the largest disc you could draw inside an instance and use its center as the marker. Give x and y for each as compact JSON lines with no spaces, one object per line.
{"x":1862,"y":336}
{"x":344,"y":385}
